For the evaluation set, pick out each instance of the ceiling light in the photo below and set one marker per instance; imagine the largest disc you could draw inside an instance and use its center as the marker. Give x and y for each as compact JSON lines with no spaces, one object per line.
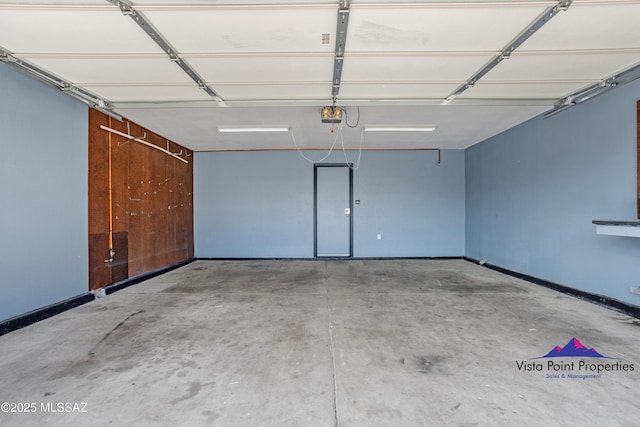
{"x":238,"y":130}
{"x":405,"y":129}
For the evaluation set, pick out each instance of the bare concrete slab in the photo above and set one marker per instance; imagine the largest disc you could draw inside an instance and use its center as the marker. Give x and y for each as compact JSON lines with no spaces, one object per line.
{"x":324,"y":343}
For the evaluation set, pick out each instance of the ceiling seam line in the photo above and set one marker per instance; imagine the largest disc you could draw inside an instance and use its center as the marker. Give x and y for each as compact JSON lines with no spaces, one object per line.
{"x":300,"y":54}
{"x":461,"y":4}
{"x":313,"y":102}
{"x":248,"y":6}
{"x":128,"y":10}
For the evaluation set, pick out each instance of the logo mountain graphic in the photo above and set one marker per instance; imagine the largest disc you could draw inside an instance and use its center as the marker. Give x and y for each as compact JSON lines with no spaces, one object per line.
{"x":574,"y":348}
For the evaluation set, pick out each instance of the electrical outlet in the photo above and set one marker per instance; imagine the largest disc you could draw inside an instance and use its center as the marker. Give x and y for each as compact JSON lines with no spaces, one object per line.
{"x":379,"y":236}
{"x":635,"y":290}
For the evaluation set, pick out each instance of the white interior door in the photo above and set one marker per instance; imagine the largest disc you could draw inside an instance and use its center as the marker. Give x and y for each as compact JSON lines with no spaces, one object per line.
{"x":333,"y":220}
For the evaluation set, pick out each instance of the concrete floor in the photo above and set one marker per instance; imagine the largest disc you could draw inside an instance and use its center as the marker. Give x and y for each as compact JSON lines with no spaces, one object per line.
{"x":321,"y":343}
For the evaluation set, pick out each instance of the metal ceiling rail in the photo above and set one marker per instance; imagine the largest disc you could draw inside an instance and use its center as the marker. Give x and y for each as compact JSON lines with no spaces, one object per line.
{"x":508,"y":50}
{"x":127,"y":9}
{"x":626,"y":76}
{"x":65,"y":86}
{"x":341,"y":40}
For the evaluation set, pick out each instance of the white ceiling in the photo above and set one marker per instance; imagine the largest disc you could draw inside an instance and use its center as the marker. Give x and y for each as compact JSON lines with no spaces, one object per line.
{"x":269,"y":66}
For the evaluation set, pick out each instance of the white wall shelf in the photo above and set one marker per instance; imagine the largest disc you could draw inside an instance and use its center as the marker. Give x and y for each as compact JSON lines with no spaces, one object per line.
{"x":617,"y":228}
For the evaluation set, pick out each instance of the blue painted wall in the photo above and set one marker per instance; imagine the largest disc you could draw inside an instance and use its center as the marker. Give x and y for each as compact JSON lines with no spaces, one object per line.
{"x":523,"y":200}
{"x":533,"y":191}
{"x":260,"y":204}
{"x":43,"y":195}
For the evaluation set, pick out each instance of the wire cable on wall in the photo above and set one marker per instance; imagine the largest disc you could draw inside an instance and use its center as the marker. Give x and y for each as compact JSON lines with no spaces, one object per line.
{"x":344,"y":151}
{"x":311,"y":160}
{"x":346,"y":119}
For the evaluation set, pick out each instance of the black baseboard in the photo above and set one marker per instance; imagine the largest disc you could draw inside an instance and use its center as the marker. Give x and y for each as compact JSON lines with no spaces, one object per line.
{"x":39,"y":314}
{"x":623,"y":307}
{"x":43,"y":313}
{"x":332,"y":258}
{"x":145,"y":276}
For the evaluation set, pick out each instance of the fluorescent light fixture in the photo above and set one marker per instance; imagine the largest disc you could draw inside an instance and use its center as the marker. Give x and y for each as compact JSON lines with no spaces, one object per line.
{"x":238,"y":130}
{"x":388,"y":129}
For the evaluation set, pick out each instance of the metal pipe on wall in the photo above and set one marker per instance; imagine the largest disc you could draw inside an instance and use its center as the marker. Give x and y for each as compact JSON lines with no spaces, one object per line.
{"x":108,"y":129}
{"x":112,"y":251}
